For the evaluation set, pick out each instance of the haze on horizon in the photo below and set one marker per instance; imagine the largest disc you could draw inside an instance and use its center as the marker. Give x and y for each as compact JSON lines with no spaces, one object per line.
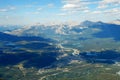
{"x":24,"y":12}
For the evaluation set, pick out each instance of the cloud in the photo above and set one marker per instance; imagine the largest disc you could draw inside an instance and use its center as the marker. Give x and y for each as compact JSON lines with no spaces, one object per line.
{"x":96,"y":12}
{"x":71,"y":7}
{"x":78,"y":6}
{"x":113,"y":11}
{"x":110,"y":1}
{"x":86,"y":11}
{"x":37,"y":12}
{"x":102,"y":6}
{"x":3,"y":10}
{"x":10,"y":8}
{"x":89,"y":7}
{"x":74,"y":5}
{"x":38,"y":9}
{"x":50,"y":5}
{"x":107,"y":3}
{"x":62,"y":14}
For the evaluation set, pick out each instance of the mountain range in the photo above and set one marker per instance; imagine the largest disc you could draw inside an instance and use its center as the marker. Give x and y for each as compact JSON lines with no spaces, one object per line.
{"x":57,"y":51}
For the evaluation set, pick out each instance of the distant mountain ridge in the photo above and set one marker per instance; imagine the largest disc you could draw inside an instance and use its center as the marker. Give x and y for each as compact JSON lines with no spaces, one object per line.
{"x":107,"y":30}
{"x":8,"y":37}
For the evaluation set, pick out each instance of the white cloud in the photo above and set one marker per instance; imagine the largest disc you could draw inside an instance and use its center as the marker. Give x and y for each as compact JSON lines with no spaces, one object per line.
{"x":86,"y":11}
{"x":3,"y":10}
{"x":12,"y":8}
{"x":69,"y":6}
{"x":111,"y":1}
{"x":71,"y":1}
{"x":9,"y":8}
{"x":113,"y":11}
{"x":90,"y":7}
{"x":107,"y":3}
{"x":102,"y":6}
{"x":62,"y":14}
{"x":74,"y":5}
{"x":50,"y":5}
{"x":37,"y":12}
{"x":97,"y":12}
{"x":80,"y":6}
{"x":39,"y":8}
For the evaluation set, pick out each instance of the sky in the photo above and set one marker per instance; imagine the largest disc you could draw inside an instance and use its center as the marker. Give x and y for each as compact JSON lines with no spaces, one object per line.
{"x":27,"y":12}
